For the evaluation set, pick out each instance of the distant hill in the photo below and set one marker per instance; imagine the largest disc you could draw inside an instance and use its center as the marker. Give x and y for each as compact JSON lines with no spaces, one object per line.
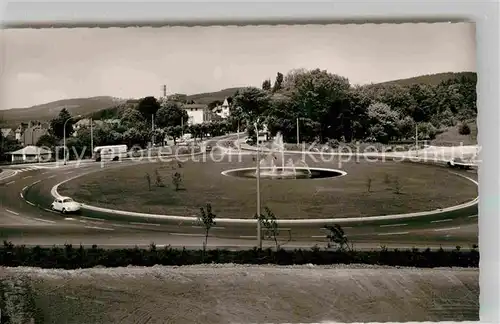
{"x":47,"y":111}
{"x":106,"y":107}
{"x":430,"y":79}
{"x":208,"y":97}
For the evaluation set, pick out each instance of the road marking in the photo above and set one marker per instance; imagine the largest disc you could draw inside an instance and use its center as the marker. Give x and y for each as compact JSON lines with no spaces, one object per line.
{"x":93,"y":219}
{"x":101,"y":228}
{"x":9,"y":183}
{"x":441,"y":220}
{"x":319,"y":236}
{"x":26,"y":177}
{"x":68,"y":172}
{"x":473,"y":216}
{"x":34,"y":183}
{"x":50,"y":210}
{"x":45,"y":172}
{"x":44,"y":220}
{"x":446,"y":229}
{"x":186,"y":234}
{"x":146,"y":224}
{"x":52,"y":176}
{"x":393,"y":225}
{"x":248,"y":236}
{"x":12,"y":212}
{"x":215,"y":227}
{"x":343,"y":227}
{"x":69,"y":218}
{"x":395,"y":233}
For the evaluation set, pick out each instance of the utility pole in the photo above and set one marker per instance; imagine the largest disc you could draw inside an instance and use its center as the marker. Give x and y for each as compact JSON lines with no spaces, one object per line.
{"x":259,"y":230}
{"x":152,"y":130}
{"x":91,"y":138}
{"x":416,"y":138}
{"x":239,"y":146}
{"x":298,"y":140}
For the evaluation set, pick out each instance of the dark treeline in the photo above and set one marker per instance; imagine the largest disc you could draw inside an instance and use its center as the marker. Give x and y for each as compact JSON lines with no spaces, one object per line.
{"x":330,"y":108}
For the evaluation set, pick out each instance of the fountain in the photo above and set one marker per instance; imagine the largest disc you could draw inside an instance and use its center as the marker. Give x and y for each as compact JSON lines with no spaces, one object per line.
{"x":274,"y":166}
{"x":288,"y":169}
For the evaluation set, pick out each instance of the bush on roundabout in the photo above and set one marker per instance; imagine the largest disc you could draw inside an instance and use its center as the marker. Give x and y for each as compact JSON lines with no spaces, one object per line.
{"x":69,"y":257}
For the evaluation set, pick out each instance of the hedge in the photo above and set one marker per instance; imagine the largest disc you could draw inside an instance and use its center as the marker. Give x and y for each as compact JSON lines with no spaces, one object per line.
{"x":68,"y":257}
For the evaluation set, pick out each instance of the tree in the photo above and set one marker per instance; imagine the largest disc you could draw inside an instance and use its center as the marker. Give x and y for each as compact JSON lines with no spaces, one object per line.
{"x":271,"y":229}
{"x":278,"y":83}
{"x":214,"y":104}
{"x":8,"y":144}
{"x":464,"y":129}
{"x":134,"y":136}
{"x":47,"y":140}
{"x":369,"y":184}
{"x":57,"y":124}
{"x":384,"y":122}
{"x":253,"y":102}
{"x":206,"y":219}
{"x":148,"y":107}
{"x":131,"y":117}
{"x":174,"y":131}
{"x":170,"y":114}
{"x":177,"y":180}
{"x":337,"y":237}
{"x":320,"y":96}
{"x":397,"y":186}
{"x":266,"y":85}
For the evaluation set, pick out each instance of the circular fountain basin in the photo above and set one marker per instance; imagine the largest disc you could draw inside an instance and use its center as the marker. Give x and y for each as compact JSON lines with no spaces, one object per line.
{"x":285,"y":173}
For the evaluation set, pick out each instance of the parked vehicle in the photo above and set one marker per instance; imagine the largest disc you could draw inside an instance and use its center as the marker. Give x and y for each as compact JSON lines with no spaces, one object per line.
{"x":65,"y":205}
{"x":110,"y":152}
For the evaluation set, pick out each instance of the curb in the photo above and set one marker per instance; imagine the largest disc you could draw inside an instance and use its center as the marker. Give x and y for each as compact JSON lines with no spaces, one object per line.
{"x":230,"y":221}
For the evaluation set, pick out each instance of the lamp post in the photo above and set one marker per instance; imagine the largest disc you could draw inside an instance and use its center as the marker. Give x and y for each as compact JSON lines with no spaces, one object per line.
{"x":416,"y":138}
{"x":64,"y":135}
{"x":298,"y":134}
{"x":259,"y":230}
{"x":91,"y":138}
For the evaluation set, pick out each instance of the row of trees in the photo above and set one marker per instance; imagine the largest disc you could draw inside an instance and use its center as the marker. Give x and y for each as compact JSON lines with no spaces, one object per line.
{"x":329,"y":107}
{"x":148,"y":120}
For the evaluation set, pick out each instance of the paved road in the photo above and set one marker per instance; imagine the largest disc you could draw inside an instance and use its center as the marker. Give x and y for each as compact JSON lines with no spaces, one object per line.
{"x":25,"y":223}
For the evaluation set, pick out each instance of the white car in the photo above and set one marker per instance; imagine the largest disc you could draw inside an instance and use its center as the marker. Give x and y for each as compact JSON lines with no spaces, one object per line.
{"x":65,"y":205}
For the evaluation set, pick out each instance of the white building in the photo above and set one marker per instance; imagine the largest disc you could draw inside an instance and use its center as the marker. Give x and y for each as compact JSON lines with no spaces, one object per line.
{"x":30,"y":154}
{"x":197,"y":113}
{"x":222,"y":110}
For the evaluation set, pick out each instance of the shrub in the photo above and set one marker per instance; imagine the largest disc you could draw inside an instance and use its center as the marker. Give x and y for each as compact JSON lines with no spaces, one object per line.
{"x":464,"y":129}
{"x":177,"y":180}
{"x":69,"y":257}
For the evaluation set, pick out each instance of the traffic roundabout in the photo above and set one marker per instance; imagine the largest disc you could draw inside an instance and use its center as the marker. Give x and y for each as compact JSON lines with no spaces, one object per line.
{"x":27,"y":198}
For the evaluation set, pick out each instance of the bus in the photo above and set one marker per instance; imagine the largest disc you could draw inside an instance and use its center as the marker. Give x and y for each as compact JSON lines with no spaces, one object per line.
{"x":110,"y":152}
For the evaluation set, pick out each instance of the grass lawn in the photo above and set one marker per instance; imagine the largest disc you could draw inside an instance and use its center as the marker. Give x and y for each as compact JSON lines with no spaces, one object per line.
{"x":422,"y":188}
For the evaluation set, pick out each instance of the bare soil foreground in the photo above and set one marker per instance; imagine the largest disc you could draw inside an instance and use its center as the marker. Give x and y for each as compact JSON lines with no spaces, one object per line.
{"x":370,"y":188}
{"x":240,"y":294}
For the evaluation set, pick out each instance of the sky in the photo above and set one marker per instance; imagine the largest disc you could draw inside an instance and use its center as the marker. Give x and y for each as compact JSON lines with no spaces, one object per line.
{"x":42,"y":65}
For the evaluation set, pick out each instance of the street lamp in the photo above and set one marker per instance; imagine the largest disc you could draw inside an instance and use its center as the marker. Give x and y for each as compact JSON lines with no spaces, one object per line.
{"x":259,"y":230}
{"x":416,"y":138}
{"x":64,"y":135}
